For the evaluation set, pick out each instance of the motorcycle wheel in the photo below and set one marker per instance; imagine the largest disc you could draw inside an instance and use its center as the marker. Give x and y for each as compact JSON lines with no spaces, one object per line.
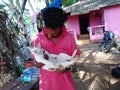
{"x":106,"y":47}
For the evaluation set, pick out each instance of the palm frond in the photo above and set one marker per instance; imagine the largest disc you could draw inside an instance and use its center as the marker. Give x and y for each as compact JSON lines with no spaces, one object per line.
{"x":2,"y":6}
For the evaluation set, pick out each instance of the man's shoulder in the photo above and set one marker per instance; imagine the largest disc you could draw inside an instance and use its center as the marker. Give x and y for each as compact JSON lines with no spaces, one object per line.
{"x":69,"y":34}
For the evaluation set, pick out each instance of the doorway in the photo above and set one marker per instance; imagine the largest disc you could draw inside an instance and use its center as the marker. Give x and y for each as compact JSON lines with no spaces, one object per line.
{"x":84,"y":24}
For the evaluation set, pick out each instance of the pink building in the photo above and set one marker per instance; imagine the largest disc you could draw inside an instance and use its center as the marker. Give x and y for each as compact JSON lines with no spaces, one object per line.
{"x":94,"y":20}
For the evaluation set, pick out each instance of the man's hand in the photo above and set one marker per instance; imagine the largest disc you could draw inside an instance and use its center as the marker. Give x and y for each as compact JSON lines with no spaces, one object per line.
{"x":60,"y":68}
{"x":38,"y":64}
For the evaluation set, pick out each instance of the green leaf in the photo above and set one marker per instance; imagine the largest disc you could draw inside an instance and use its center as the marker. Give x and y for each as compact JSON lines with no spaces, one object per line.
{"x":2,"y":6}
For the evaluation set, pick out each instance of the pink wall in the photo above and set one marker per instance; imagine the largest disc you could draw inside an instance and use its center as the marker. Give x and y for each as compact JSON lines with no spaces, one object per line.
{"x":95,"y":19}
{"x":112,"y":19}
{"x":73,"y":23}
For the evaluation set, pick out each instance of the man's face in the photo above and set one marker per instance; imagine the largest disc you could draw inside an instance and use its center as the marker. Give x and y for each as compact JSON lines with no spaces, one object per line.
{"x":52,"y":33}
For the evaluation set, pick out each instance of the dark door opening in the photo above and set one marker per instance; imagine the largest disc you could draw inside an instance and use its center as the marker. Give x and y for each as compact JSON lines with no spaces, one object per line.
{"x":84,"y":23}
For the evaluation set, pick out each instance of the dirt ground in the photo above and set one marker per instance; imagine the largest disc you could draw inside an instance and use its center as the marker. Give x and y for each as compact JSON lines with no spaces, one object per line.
{"x":93,"y":69}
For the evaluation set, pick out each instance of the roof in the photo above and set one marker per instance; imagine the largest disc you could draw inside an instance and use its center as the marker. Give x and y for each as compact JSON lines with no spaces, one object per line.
{"x":85,"y":6}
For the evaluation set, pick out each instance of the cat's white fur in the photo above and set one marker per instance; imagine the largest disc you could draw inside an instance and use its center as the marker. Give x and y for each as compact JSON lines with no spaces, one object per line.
{"x":54,"y":60}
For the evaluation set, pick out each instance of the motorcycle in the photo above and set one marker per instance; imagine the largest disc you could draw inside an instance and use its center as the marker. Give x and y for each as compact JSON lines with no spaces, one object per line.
{"x":109,"y":42}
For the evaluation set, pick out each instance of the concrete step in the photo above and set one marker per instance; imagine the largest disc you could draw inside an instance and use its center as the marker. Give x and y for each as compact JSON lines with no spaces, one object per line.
{"x":83,"y":41}
{"x":85,"y":36}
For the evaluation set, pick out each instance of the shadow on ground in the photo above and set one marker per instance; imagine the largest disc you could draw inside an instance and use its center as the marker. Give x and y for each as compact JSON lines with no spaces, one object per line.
{"x":93,"y":69}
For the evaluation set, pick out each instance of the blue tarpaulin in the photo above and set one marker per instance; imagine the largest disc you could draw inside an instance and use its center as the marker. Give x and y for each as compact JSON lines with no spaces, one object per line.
{"x":55,"y":3}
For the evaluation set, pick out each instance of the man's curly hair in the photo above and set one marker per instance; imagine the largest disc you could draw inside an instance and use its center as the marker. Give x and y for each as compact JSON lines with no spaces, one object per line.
{"x":54,"y":17}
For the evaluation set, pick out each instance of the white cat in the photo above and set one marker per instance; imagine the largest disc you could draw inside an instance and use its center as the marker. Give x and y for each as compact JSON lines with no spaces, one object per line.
{"x":54,"y":60}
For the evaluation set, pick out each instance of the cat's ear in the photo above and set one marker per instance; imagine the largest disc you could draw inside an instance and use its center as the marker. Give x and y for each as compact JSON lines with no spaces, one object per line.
{"x":46,"y":52}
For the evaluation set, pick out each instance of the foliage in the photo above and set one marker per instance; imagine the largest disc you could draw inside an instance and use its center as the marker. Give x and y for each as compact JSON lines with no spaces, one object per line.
{"x":69,"y":2}
{"x":2,"y":6}
{"x":26,"y":20}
